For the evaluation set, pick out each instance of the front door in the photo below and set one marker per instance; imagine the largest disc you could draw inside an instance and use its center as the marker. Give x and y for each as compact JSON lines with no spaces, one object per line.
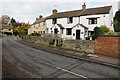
{"x":55,"y":30}
{"x":77,"y":34}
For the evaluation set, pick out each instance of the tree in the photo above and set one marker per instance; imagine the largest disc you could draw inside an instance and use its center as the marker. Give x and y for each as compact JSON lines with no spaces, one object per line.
{"x":117,"y":21}
{"x":22,"y":30}
{"x":13,"y":21}
{"x":117,"y":26}
{"x":117,"y":16}
{"x":100,"y":30}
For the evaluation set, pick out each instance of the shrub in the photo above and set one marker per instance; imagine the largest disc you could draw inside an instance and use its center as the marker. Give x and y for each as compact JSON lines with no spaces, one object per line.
{"x":111,"y":32}
{"x":34,"y":34}
{"x":52,"y":42}
{"x":100,"y":30}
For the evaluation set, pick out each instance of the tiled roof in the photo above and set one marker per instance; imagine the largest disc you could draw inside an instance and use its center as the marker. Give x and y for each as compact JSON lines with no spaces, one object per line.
{"x":82,"y":12}
{"x":61,"y":27}
{"x":7,"y":26}
{"x":76,"y":13}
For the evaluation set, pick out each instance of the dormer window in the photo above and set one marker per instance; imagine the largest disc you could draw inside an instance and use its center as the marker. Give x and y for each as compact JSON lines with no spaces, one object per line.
{"x":92,"y":21}
{"x":54,"y":21}
{"x":70,"y":20}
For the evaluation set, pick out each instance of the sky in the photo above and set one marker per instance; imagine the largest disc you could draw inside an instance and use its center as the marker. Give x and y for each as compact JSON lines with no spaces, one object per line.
{"x":29,"y":10}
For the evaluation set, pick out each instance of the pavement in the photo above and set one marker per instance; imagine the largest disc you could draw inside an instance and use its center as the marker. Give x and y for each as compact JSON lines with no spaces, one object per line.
{"x":39,"y":63}
{"x":96,"y":58}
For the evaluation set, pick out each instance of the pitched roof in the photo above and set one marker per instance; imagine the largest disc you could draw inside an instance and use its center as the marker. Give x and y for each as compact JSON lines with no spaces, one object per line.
{"x":40,"y":20}
{"x":61,"y":27}
{"x":76,"y":13}
{"x":7,"y":26}
{"x":80,"y":25}
{"x":82,"y":12}
{"x":98,"y":10}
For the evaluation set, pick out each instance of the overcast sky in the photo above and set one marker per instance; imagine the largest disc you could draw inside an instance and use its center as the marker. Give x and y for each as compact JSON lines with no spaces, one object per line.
{"x":28,"y":10}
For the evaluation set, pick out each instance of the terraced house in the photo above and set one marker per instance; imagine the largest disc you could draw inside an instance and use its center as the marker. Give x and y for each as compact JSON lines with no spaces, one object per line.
{"x":39,"y":26}
{"x":76,"y":24}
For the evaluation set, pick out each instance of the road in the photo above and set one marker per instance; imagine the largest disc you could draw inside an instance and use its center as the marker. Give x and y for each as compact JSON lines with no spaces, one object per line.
{"x":44,"y":64}
{"x":0,"y":57}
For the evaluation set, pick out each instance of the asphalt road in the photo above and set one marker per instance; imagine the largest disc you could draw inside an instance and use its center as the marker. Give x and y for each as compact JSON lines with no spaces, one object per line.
{"x":43,"y":64}
{"x":0,"y":57}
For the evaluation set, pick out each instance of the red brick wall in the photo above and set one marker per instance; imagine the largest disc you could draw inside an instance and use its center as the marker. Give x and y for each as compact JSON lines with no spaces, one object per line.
{"x":108,"y":46}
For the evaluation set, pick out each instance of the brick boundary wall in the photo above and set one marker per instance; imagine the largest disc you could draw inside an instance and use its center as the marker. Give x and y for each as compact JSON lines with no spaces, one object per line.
{"x":108,"y":46}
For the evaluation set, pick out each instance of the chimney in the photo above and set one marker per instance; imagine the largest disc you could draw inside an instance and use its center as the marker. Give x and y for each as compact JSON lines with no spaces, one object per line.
{"x":84,"y":6}
{"x":40,"y":17}
{"x":37,"y":18}
{"x":54,"y":11}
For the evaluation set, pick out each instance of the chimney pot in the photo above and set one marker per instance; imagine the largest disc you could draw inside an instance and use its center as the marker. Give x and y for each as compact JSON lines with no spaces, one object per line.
{"x":84,"y":6}
{"x":37,"y":18}
{"x":40,"y":17}
{"x":54,"y":11}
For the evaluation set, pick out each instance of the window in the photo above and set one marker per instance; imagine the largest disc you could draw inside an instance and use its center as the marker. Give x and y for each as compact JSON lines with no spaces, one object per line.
{"x":41,"y":32}
{"x":9,"y":29}
{"x":54,"y":21}
{"x":38,"y":24}
{"x":43,"y":23}
{"x":44,"y":32}
{"x":70,"y":20}
{"x":68,"y":31}
{"x":92,"y":20}
{"x":34,"y":25}
{"x":62,"y":31}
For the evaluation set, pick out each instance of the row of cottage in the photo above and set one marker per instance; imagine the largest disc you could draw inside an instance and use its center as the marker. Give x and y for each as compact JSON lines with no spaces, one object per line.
{"x":76,"y":24}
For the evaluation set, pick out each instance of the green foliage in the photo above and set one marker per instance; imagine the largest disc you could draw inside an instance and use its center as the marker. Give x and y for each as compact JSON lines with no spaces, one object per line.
{"x":104,"y":29}
{"x":15,"y":32}
{"x":52,"y":42}
{"x":13,"y":21}
{"x":117,"y":21}
{"x":117,"y":26}
{"x":100,"y":30}
{"x":117,"y":16}
{"x":22,"y":30}
{"x":111,"y":32}
{"x":34,"y":34}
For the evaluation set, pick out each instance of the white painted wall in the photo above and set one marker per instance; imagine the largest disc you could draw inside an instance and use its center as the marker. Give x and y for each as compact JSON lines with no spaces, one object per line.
{"x":63,"y":22}
{"x":82,"y":30}
{"x":111,"y":19}
{"x":104,"y":19}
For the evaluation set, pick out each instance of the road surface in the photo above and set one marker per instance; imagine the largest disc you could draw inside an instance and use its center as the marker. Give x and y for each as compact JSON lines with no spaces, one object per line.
{"x":44,"y":64}
{"x":0,"y":57}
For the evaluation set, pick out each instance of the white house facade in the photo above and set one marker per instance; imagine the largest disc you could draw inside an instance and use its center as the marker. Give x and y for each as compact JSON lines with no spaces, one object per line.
{"x":79,"y":24}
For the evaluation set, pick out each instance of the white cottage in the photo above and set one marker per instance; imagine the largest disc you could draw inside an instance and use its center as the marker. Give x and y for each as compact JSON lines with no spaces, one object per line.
{"x":79,"y":24}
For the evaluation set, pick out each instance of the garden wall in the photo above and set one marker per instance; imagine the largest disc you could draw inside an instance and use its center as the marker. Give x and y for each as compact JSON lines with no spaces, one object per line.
{"x":79,"y":45}
{"x":36,"y":39}
{"x":108,"y":46}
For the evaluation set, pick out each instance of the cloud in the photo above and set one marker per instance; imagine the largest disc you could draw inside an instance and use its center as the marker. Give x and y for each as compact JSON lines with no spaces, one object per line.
{"x":25,"y":10}
{"x":59,"y":0}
